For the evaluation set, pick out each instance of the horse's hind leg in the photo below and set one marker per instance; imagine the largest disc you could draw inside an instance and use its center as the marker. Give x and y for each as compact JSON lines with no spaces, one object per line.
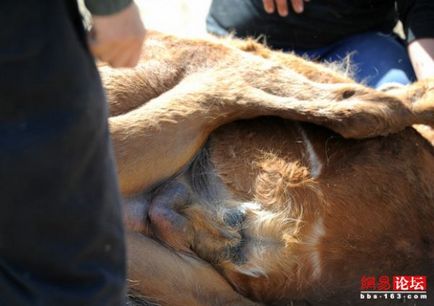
{"x":167,"y":224}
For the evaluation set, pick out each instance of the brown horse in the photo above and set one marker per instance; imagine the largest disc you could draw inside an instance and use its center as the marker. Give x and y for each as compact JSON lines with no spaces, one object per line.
{"x":272,"y":210}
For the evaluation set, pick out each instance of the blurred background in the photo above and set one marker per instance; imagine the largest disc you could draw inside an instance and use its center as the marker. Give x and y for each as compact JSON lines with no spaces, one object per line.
{"x":181,"y":17}
{"x":184,"y":17}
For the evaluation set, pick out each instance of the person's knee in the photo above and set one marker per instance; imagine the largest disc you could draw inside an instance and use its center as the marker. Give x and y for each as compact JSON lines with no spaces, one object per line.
{"x":394,"y":76}
{"x":378,"y":58}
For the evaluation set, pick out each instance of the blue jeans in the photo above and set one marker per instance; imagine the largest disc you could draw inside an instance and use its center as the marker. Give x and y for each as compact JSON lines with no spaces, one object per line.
{"x":377,"y":58}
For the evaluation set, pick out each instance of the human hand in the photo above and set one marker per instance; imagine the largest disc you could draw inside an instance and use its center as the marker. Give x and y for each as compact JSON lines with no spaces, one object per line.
{"x":282,"y":6}
{"x":117,"y":39}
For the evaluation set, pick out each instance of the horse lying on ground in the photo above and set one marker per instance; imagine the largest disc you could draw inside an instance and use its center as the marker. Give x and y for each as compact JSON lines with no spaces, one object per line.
{"x":267,"y":210}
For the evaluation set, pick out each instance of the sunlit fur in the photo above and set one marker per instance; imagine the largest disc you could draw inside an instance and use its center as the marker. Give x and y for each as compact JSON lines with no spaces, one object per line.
{"x":284,"y":211}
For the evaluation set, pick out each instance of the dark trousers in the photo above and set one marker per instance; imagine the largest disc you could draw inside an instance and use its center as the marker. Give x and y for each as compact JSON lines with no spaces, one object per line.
{"x":61,"y":235}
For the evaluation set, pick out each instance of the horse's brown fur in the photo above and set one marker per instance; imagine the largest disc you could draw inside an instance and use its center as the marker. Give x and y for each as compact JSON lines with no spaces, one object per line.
{"x":253,"y":203}
{"x":372,"y":205}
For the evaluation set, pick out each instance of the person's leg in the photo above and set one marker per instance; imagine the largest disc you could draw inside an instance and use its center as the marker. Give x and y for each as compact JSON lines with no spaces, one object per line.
{"x":378,"y":58}
{"x":61,"y":235}
{"x":311,"y":54}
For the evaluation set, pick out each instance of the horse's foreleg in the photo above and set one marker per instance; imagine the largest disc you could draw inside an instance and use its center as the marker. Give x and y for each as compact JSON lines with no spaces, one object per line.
{"x":168,"y":278}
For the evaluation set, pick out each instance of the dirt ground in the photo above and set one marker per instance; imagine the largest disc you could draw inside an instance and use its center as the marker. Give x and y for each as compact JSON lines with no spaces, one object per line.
{"x":181,"y":17}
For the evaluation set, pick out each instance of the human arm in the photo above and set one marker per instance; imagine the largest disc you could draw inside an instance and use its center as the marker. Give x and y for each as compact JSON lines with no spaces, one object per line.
{"x":417,"y":17}
{"x":117,"y":34}
{"x":421,"y":54}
